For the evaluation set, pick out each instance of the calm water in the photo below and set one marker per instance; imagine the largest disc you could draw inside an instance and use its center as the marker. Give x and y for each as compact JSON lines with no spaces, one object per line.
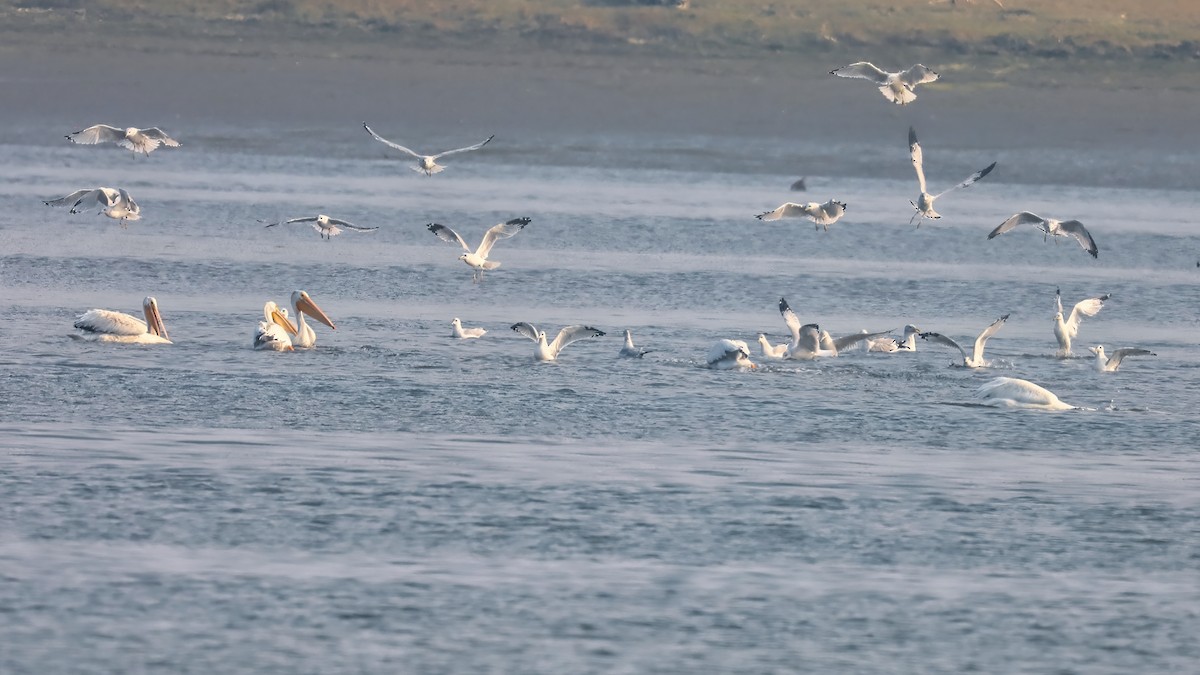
{"x":398,"y":501}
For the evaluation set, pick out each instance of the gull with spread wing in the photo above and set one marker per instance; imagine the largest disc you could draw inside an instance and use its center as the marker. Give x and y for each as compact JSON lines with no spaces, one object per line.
{"x":1065,"y":330}
{"x":924,"y":203}
{"x":327,"y":228}
{"x":426,"y":164}
{"x":550,"y":351}
{"x":114,"y":203}
{"x":822,"y":214}
{"x":477,"y":259}
{"x":1050,"y":228}
{"x":896,"y":87}
{"x":133,"y":139}
{"x":975,"y":360}
{"x":809,"y":341}
{"x":1108,"y":363}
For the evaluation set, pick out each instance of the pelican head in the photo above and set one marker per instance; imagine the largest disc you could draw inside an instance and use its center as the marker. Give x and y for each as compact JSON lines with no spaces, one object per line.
{"x":154,"y":322}
{"x":303,"y":303}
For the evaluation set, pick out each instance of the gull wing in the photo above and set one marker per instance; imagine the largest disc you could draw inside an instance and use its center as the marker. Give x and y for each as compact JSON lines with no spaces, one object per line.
{"x":1114,"y":359}
{"x":862,"y":71}
{"x":390,"y":144}
{"x":832,"y":209}
{"x":351,"y":226}
{"x":123,"y":196}
{"x":306,"y":219}
{"x":981,"y":341}
{"x":971,"y":180}
{"x":1058,"y":301}
{"x":466,"y":149}
{"x":527,"y":329}
{"x":918,"y":159}
{"x":1089,"y":307}
{"x":449,"y":236}
{"x":790,"y":319}
{"x":1022,"y":218}
{"x":100,"y":133}
{"x":786,"y":210}
{"x":809,"y":338}
{"x":573,"y":334}
{"x":109,"y":322}
{"x":161,"y":136}
{"x":727,"y":351}
{"x":496,"y":232}
{"x":938,"y":337}
{"x":917,"y":74}
{"x":104,"y":196}
{"x":1077,"y":230}
{"x":842,"y":343}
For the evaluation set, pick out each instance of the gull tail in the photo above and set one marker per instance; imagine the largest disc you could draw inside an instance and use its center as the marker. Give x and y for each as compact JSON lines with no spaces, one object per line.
{"x":490,"y":265}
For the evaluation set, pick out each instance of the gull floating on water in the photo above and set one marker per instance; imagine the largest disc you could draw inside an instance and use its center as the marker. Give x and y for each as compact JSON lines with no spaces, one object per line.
{"x":975,"y":360}
{"x":809,"y":341}
{"x":327,"y":228}
{"x":1108,"y":363}
{"x":822,"y":214}
{"x":1065,"y":330}
{"x":772,"y":352}
{"x":729,"y":355}
{"x":896,"y":87}
{"x":275,"y":330}
{"x":426,"y":164}
{"x":550,"y":351}
{"x":457,"y":330}
{"x":1050,"y":228}
{"x":477,"y":259}
{"x":631,"y":351}
{"x":1010,"y":392}
{"x":924,"y":203}
{"x":114,"y":202}
{"x":105,"y":325}
{"x":889,"y":345}
{"x":133,"y":139}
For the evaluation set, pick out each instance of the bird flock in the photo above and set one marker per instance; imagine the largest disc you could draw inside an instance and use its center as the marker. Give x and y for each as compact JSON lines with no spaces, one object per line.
{"x":284,"y":330}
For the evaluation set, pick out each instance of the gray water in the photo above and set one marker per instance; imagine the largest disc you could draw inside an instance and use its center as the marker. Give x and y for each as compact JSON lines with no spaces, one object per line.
{"x":399,"y":501}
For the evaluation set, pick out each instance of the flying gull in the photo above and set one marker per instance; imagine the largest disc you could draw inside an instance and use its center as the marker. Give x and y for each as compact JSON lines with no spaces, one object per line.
{"x":1065,"y":330}
{"x":426,"y":164}
{"x":114,"y":202}
{"x":975,"y":360}
{"x":924,"y":203}
{"x":133,"y":139}
{"x":822,"y":214}
{"x":1050,"y":228}
{"x":477,"y":259}
{"x":550,"y":351}
{"x":895,"y":87}
{"x":327,"y":228}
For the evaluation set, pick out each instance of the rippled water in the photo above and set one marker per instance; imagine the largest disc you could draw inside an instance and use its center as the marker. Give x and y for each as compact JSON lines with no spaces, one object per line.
{"x":398,"y":501}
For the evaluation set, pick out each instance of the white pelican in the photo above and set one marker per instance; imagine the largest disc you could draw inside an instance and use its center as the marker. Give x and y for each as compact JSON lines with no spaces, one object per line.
{"x":306,"y":337}
{"x":924,"y":203}
{"x":426,"y":164}
{"x":896,"y":87}
{"x":770,"y":351}
{"x":1050,"y":228}
{"x":457,"y":330}
{"x":975,"y":360}
{"x":477,"y":259}
{"x":274,"y":330}
{"x":822,"y":214}
{"x":1010,"y":392}
{"x":104,"y":325}
{"x":133,"y":139}
{"x":326,"y":227}
{"x":1107,"y":363}
{"x":114,"y":202}
{"x":550,"y":352}
{"x":1065,"y":330}
{"x":730,"y":355}
{"x":631,"y":351}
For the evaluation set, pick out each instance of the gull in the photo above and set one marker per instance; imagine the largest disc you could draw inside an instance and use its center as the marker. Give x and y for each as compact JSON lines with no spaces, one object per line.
{"x":457,"y":330}
{"x":133,"y":139}
{"x":895,"y":87}
{"x":1050,"y":228}
{"x":426,"y":164}
{"x":1106,"y":363}
{"x":1065,"y":330}
{"x":729,"y":355}
{"x":799,"y":185}
{"x":822,"y":214}
{"x":631,"y":351}
{"x":477,"y":260}
{"x":327,"y":228}
{"x":888,"y":345}
{"x":275,"y":330}
{"x":809,"y":341}
{"x":924,"y":203}
{"x":1010,"y":392}
{"x":566,"y":336}
{"x":772,"y":352}
{"x":114,"y":202}
{"x":975,"y":360}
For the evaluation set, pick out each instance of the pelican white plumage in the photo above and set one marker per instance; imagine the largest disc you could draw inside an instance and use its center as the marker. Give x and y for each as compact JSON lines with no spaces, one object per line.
{"x":113,"y":202}
{"x":133,"y":139}
{"x":326,"y":227}
{"x":772,"y":352}
{"x":550,"y":351}
{"x":823,"y":215}
{"x":275,"y":330}
{"x":1050,"y":228}
{"x":975,"y":360}
{"x":426,"y":164}
{"x":457,"y":330}
{"x":1108,"y":363}
{"x":1011,"y":392}
{"x":302,"y":304}
{"x":104,"y":325}
{"x":896,"y":87}
{"x":477,"y":259}
{"x":629,"y":350}
{"x":924,"y":203}
{"x":730,"y":355}
{"x":1065,"y":330}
